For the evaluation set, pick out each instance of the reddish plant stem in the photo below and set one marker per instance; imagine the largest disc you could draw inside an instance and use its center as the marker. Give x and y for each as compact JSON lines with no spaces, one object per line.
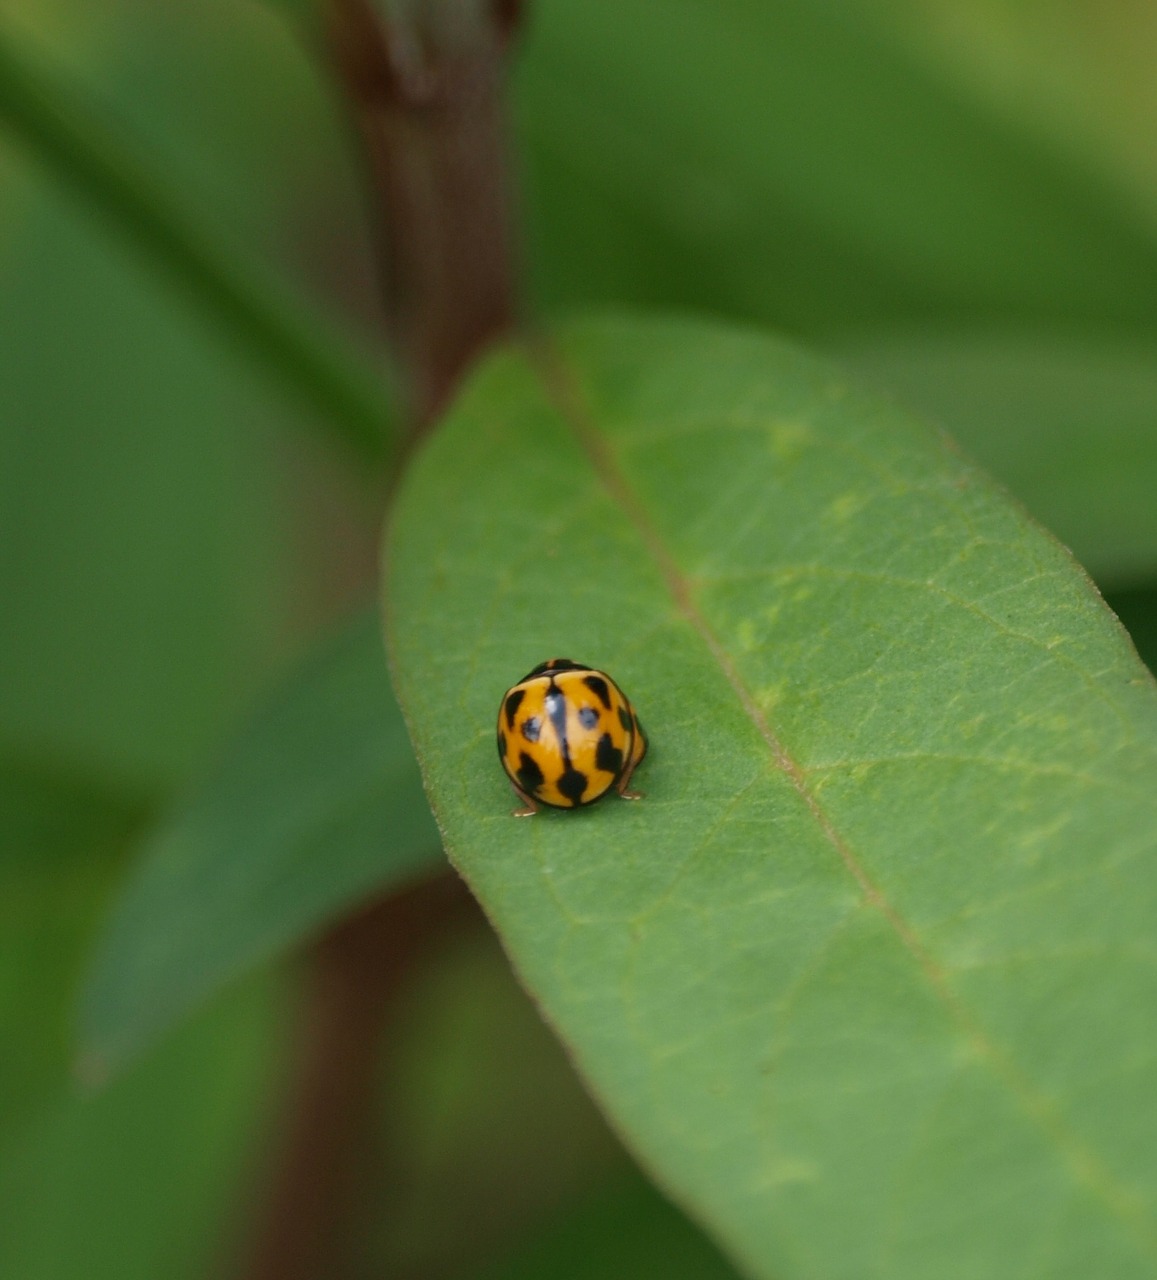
{"x":426,"y":93}
{"x":325,"y":1147}
{"x":428,"y":101}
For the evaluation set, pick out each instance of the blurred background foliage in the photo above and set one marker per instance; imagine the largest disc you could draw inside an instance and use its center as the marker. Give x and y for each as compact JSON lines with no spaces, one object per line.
{"x":958,"y":197}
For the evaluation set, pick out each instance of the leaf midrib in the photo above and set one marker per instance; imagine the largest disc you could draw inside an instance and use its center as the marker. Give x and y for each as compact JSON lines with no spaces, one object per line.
{"x":562,"y":387}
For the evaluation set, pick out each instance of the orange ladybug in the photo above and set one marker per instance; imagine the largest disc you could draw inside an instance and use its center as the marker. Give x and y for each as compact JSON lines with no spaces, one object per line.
{"x":567,"y":734}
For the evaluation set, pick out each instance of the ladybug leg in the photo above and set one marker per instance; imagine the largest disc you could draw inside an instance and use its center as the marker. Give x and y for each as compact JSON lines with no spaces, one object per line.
{"x":625,"y":781}
{"x":529,"y":809}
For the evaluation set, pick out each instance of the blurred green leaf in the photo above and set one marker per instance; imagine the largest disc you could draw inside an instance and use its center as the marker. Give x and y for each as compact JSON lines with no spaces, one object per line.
{"x":146,"y":1179}
{"x":305,"y":14}
{"x":1078,"y":73}
{"x":1070,"y":425}
{"x":867,"y":977}
{"x":789,"y":161}
{"x":51,"y":819}
{"x":316,"y":805}
{"x":626,"y":1230}
{"x":135,"y":1183}
{"x":71,"y":134}
{"x":62,"y":840}
{"x":146,"y":575}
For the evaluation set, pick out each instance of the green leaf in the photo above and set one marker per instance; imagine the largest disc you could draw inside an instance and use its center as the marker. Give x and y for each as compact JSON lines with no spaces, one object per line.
{"x":791,"y":161}
{"x":316,"y":805}
{"x":146,"y":578}
{"x":141,"y":1180}
{"x":63,"y":840}
{"x":306,"y":15}
{"x":145,"y":1178}
{"x":867,"y":978}
{"x":1066,"y":423}
{"x":72,"y":136}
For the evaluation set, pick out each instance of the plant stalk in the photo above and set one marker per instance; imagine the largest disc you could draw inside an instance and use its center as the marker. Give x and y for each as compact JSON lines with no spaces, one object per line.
{"x":326,"y":1141}
{"x":427,"y":90}
{"x":425,"y":85}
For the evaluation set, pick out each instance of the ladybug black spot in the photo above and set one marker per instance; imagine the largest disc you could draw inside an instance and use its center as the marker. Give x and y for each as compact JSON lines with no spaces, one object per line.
{"x":502,"y":744}
{"x":608,"y":757}
{"x":598,"y":686}
{"x":513,"y":702}
{"x":529,"y":774}
{"x":572,"y":784}
{"x":625,"y":719}
{"x":588,"y":717}
{"x":532,"y":728}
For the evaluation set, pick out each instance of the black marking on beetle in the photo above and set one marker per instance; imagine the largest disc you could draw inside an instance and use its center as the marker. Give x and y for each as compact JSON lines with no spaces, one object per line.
{"x":501,"y":744}
{"x":588,"y":717}
{"x":608,"y":757}
{"x":572,"y":784}
{"x":529,"y":774}
{"x":598,"y":686}
{"x":625,"y":720}
{"x":532,"y":728}
{"x":513,"y":702}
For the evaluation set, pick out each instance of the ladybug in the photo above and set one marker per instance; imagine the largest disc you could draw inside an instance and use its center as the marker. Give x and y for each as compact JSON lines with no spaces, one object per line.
{"x":567,"y":734}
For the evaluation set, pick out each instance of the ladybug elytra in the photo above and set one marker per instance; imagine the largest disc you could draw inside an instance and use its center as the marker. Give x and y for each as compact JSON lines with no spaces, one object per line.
{"x":567,"y":734}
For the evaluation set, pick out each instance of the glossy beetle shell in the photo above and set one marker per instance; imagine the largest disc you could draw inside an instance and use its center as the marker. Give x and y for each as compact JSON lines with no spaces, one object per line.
{"x":567,"y":734}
